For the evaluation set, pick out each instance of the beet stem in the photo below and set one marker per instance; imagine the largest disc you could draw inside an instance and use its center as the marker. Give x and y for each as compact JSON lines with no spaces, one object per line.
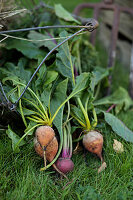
{"x":110,"y":108}
{"x":70,"y":142}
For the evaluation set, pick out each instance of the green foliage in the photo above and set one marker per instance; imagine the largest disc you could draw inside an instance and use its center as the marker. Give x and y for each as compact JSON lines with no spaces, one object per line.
{"x":28,"y":49}
{"x":77,"y":113}
{"x":88,"y":55}
{"x":58,"y":98}
{"x":119,"y":127}
{"x":64,"y":14}
{"x":82,"y":82}
{"x":41,"y":39}
{"x":99,"y":74}
{"x":65,"y":61}
{"x":15,"y":138}
{"x":120,"y":97}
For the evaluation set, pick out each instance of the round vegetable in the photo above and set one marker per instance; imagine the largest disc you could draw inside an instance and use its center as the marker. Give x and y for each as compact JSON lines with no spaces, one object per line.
{"x":48,"y":144}
{"x":65,"y":165}
{"x":51,"y":149}
{"x":93,"y":142}
{"x":44,"y":135}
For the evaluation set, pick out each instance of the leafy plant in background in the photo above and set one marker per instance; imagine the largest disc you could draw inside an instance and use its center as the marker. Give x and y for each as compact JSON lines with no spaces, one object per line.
{"x":64,"y":77}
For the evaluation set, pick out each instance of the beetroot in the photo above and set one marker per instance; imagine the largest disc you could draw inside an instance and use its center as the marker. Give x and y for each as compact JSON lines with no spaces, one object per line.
{"x":65,"y":165}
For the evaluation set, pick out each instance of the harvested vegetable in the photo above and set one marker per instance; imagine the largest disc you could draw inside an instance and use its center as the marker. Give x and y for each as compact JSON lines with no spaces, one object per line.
{"x":93,"y":142}
{"x":65,"y":76}
{"x":64,"y":163}
{"x":49,"y":150}
{"x":45,"y":135}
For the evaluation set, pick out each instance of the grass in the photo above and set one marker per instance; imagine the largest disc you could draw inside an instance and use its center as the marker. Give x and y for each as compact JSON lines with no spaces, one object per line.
{"x":21,"y":179}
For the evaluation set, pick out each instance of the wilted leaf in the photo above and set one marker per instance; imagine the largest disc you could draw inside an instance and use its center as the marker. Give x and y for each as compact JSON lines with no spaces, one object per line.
{"x":118,"y":146}
{"x":102,"y":167}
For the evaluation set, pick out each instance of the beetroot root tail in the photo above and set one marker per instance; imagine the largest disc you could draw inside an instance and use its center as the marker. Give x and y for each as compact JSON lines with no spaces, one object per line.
{"x":61,"y":173}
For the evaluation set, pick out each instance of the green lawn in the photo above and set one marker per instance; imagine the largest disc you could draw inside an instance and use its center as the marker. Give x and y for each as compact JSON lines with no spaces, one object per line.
{"x":21,"y":179}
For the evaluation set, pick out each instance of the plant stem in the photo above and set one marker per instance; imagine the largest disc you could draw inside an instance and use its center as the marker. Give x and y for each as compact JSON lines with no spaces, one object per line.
{"x":21,"y":110}
{"x":79,"y":121}
{"x":78,"y":57}
{"x":44,"y":117}
{"x":35,"y":117}
{"x":110,"y":108}
{"x":26,"y":134}
{"x":68,"y":114}
{"x":45,"y":112}
{"x":88,"y":126}
{"x":37,"y":121}
{"x":97,"y":91}
{"x":95,"y":117}
{"x":35,"y":97}
{"x":78,"y":139}
{"x":70,"y":139}
{"x":81,"y":105}
{"x":73,"y":78}
{"x":86,"y":104}
{"x":37,"y":113}
{"x":65,"y":146}
{"x":68,"y":98}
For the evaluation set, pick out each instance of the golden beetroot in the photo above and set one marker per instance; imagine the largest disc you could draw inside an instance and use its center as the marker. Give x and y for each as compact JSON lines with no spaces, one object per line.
{"x":51,"y":149}
{"x":44,"y":135}
{"x":93,"y":142}
{"x":38,"y":148}
{"x":46,"y":144}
